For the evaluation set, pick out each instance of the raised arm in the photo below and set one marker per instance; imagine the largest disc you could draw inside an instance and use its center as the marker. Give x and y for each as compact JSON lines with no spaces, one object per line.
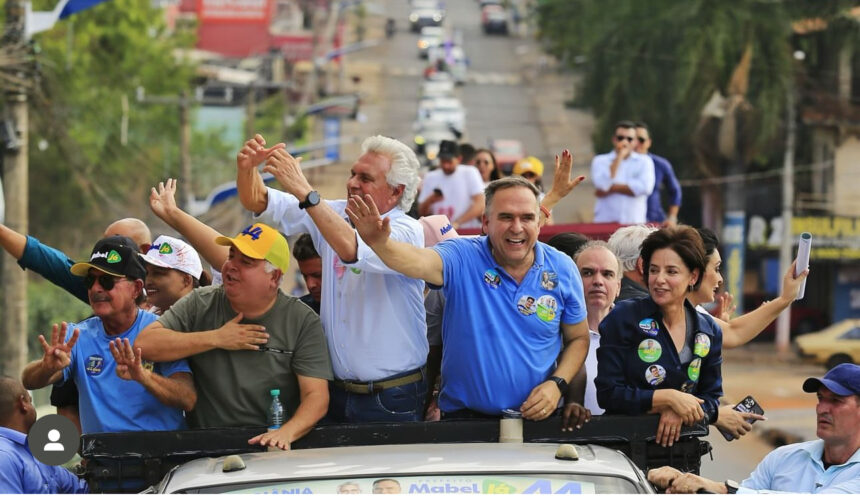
{"x":160,"y":344}
{"x":313,"y":405}
{"x":162,"y":200}
{"x":249,"y":182}
{"x":56,"y":357}
{"x":12,"y":241}
{"x":743,"y":329}
{"x":562,"y":183}
{"x":409,"y":260}
{"x":336,"y":232}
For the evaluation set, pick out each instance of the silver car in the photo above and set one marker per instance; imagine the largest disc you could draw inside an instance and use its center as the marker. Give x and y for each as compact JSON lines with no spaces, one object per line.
{"x":413,"y":468}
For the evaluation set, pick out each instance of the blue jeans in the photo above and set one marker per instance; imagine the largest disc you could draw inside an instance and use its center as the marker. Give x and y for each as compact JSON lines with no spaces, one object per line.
{"x":398,"y":404}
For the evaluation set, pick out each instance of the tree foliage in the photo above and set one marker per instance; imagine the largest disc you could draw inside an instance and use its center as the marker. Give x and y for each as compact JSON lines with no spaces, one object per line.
{"x":662,"y":60}
{"x":81,"y":174}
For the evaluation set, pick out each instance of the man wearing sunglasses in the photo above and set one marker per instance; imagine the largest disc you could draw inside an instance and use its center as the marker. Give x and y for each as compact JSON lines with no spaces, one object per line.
{"x":623,"y":179}
{"x":118,"y":391}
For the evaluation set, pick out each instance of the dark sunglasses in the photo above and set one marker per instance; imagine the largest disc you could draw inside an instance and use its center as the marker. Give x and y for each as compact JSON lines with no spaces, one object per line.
{"x":641,"y":139}
{"x":107,"y":282}
{"x":618,"y":137}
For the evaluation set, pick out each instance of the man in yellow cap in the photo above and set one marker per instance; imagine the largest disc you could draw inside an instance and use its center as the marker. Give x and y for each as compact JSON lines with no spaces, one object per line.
{"x":245,"y":338}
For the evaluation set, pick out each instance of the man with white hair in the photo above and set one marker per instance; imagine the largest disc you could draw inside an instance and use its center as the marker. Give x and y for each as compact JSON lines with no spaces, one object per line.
{"x":378,"y":369}
{"x":626,"y":243}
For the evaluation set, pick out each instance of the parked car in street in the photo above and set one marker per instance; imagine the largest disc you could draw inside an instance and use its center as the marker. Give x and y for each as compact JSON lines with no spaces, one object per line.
{"x":838,"y":343}
{"x":430,"y":37}
{"x":449,"y":111}
{"x":494,"y":19}
{"x":420,"y":18}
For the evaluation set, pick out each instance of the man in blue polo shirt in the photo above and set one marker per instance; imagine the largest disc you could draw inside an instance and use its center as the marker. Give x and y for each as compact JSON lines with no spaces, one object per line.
{"x":514,"y":330}
{"x":20,"y":472}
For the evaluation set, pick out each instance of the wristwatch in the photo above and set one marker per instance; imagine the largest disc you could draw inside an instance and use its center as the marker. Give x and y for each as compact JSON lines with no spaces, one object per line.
{"x":312,"y":200}
{"x":731,"y":486}
{"x":561,"y":383}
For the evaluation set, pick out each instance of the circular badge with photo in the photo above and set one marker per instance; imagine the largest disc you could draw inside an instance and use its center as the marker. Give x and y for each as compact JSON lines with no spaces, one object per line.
{"x":650,"y":350}
{"x":655,"y":374}
{"x":702,"y":345}
{"x":694,"y":369}
{"x":649,"y":326}
{"x":546,"y":308}
{"x":527,"y":305}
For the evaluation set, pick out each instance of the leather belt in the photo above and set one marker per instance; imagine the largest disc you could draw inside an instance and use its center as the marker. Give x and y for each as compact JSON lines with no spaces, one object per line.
{"x":373,"y":387}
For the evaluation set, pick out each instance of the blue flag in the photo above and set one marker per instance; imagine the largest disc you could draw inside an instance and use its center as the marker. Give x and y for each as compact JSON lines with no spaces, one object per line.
{"x":75,"y":6}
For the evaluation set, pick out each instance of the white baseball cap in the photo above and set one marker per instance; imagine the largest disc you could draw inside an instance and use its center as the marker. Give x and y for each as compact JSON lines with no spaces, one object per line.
{"x":172,"y":253}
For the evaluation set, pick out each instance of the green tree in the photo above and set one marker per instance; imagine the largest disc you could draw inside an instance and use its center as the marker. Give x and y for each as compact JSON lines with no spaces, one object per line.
{"x":710,"y":78}
{"x":82,"y":174}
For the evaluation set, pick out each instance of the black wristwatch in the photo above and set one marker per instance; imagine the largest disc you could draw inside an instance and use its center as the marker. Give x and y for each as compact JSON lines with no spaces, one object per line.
{"x":312,"y":200}
{"x":561,"y":383}
{"x":731,"y":486}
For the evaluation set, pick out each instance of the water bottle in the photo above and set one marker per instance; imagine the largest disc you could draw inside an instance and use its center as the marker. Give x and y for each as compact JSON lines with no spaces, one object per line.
{"x":276,"y":411}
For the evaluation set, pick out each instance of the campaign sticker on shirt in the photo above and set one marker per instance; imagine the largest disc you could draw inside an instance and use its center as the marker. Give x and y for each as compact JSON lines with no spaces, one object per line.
{"x":339,"y":268}
{"x":94,"y":365}
{"x":649,"y":326}
{"x":491,"y":277}
{"x":650,"y":350}
{"x":688,"y":386}
{"x":703,"y":345}
{"x":548,"y":280}
{"x":546,"y":308}
{"x":148,"y":365}
{"x":526,"y":305}
{"x":355,"y":270}
{"x":655,"y":374}
{"x":694,"y":369}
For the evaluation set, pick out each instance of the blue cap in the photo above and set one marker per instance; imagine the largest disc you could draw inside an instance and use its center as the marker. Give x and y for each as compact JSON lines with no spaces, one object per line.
{"x":843,"y":380}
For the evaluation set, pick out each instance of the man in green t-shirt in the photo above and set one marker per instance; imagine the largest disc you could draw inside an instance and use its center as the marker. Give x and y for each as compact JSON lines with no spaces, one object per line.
{"x":245,"y":338}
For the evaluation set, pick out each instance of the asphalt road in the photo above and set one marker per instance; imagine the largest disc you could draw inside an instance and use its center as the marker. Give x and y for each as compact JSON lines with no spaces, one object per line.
{"x":500,"y":104}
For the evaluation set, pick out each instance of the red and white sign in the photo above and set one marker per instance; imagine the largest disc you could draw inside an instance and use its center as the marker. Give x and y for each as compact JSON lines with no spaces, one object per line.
{"x":235,"y":11}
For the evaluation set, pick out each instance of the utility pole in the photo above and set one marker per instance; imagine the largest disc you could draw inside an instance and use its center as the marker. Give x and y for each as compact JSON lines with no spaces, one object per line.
{"x":783,"y":322}
{"x":13,"y":334}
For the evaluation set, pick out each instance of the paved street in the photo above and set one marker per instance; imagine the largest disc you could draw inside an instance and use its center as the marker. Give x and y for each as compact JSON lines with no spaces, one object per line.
{"x":508,"y":96}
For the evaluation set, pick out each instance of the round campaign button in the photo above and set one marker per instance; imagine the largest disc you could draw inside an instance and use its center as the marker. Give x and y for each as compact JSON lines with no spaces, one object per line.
{"x":53,"y":440}
{"x":650,"y":350}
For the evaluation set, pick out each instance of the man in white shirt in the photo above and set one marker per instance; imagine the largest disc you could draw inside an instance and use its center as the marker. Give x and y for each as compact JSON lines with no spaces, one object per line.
{"x":623,"y":180}
{"x":600,"y":270}
{"x":373,"y":317}
{"x":453,"y":191}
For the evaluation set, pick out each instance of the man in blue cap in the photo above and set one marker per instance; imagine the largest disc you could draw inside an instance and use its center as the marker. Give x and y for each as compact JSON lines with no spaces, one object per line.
{"x":830,"y":464}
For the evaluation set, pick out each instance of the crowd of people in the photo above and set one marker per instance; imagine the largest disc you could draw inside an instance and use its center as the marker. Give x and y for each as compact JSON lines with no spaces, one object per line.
{"x":405,"y":319}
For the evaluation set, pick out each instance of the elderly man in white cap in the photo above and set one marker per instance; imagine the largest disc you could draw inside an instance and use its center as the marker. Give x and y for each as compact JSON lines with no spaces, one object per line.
{"x":173,"y":269}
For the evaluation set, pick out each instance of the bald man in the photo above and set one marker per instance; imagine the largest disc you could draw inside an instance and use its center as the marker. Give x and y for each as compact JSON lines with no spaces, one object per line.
{"x":54,"y":265}
{"x":20,"y":472}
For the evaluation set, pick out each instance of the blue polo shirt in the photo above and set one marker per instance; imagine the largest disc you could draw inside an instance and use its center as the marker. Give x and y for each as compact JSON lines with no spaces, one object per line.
{"x":798,"y":468}
{"x":108,"y":403}
{"x":501,"y":339}
{"x":20,"y":473}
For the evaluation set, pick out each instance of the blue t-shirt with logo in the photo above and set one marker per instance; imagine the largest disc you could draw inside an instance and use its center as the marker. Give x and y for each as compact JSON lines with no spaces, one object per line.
{"x":108,"y":403}
{"x":500,"y":338}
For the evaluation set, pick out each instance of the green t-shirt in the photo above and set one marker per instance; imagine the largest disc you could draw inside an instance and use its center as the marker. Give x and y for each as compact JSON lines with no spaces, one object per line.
{"x":233,"y":386}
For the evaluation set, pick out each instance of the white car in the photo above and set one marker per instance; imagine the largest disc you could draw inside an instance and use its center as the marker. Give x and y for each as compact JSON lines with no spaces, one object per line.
{"x":420,"y":18}
{"x":430,"y":37}
{"x":426,"y":468}
{"x":445,"y":110}
{"x":434,"y":88}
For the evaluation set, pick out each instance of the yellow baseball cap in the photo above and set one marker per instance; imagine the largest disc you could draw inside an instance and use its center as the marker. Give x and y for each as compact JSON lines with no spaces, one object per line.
{"x":528,"y":164}
{"x":261,"y":242}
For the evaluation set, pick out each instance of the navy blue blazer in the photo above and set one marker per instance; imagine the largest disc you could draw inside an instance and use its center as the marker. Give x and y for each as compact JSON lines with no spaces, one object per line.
{"x":637,"y":357}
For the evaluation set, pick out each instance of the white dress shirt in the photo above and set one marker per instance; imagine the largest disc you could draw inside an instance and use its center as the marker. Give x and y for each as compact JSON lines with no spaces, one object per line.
{"x":637,"y":172}
{"x":373,"y":317}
